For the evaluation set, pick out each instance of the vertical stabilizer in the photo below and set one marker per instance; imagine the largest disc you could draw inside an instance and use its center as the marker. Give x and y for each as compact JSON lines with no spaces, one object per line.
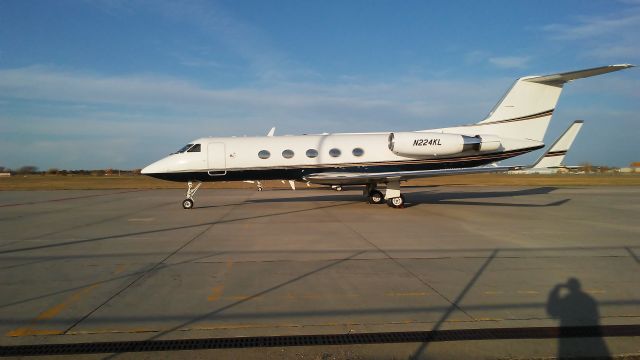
{"x":526,"y":109}
{"x":555,"y":154}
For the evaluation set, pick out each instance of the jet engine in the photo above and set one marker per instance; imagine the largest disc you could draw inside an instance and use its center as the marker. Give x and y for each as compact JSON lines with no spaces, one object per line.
{"x":439,"y":144}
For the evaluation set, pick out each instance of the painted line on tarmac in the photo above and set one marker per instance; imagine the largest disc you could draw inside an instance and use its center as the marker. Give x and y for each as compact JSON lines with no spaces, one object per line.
{"x":70,"y":198}
{"x":55,"y":310}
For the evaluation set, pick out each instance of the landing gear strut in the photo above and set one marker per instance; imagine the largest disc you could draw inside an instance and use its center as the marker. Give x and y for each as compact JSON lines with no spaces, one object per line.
{"x":191,"y":192}
{"x":374,"y":196}
{"x":392,"y":195}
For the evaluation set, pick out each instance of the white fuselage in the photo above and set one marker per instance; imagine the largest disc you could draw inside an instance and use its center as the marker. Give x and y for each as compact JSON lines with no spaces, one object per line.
{"x":219,"y":157}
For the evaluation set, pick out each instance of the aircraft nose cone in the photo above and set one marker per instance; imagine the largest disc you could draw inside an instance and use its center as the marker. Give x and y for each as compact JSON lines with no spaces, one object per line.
{"x":152,"y":169}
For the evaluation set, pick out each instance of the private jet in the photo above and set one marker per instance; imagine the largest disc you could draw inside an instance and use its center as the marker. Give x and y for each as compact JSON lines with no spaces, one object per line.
{"x":515,"y":126}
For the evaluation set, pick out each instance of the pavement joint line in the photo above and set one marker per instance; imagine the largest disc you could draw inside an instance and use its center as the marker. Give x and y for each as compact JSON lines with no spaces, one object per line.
{"x":102,"y":221}
{"x":114,"y":348}
{"x":47,"y":212}
{"x":434,"y":310}
{"x":413,"y":258}
{"x":206,"y":327}
{"x":53,"y":311}
{"x":72,"y":198}
{"x":144,"y":273}
{"x":258,"y":294}
{"x":458,"y":299}
{"x":633,"y":254}
{"x":57,"y":257}
{"x":407,"y":270}
{"x":89,"y":284}
{"x":169,"y":229}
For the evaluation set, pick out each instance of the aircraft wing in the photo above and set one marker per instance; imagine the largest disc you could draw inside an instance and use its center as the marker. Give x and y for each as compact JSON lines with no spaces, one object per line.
{"x":355,"y":178}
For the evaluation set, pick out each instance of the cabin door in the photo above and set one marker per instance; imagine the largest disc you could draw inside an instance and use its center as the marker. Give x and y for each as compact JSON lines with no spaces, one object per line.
{"x":216,"y":159}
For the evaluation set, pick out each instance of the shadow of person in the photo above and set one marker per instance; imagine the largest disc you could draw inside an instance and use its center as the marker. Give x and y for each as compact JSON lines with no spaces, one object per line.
{"x":573,"y":307}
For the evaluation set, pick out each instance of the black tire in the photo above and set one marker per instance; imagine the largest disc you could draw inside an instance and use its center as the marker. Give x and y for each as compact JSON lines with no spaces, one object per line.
{"x":187,"y":204}
{"x":396,"y":202}
{"x":376,"y":197}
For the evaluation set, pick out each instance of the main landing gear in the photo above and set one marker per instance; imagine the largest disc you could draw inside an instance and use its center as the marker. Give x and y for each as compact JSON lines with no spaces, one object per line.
{"x":392,"y":195}
{"x":191,"y":192}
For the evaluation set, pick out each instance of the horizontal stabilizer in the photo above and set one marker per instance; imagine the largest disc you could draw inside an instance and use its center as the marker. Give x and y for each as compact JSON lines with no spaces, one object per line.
{"x":555,"y":154}
{"x":559,"y":79}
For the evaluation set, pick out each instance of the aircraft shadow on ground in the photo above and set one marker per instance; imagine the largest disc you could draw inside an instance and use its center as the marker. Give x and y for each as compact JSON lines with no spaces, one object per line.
{"x":426,"y":196}
{"x":414,"y":198}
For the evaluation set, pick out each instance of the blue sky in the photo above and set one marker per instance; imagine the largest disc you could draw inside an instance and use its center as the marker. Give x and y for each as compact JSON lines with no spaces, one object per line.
{"x":98,"y":84}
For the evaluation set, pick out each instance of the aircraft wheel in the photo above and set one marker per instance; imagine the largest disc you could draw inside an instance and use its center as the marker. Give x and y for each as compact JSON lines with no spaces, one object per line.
{"x":376,"y":197}
{"x":338,"y":188}
{"x":187,"y":204}
{"x":396,"y":202}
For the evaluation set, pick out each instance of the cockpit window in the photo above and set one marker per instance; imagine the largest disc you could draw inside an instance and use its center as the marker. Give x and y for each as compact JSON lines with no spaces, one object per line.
{"x":184,"y":148}
{"x":194,"y":148}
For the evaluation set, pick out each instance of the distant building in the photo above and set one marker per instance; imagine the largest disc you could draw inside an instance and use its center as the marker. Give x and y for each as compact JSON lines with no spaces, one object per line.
{"x":5,"y":174}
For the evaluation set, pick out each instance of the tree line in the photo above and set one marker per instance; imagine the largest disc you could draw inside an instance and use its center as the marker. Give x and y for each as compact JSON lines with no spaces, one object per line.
{"x":34,"y":170}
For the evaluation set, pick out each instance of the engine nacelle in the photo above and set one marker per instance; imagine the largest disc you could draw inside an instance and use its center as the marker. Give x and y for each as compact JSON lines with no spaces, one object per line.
{"x":489,"y":142}
{"x":439,"y":144}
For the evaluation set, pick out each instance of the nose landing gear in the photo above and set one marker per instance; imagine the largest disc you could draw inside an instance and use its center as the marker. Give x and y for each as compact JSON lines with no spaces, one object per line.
{"x":191,"y":192}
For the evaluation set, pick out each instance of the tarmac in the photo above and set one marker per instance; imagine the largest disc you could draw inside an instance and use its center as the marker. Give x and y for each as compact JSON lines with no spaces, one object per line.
{"x":120,"y":265}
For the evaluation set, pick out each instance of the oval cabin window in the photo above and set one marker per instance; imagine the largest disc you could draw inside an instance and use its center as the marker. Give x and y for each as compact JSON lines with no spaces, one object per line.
{"x":334,"y":152}
{"x":264,"y":154}
{"x":358,"y":152}
{"x":287,"y":154}
{"x":312,"y":153}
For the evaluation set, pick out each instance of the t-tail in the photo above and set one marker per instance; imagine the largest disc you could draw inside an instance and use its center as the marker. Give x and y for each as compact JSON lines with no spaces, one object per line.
{"x":526,"y":109}
{"x":555,"y":154}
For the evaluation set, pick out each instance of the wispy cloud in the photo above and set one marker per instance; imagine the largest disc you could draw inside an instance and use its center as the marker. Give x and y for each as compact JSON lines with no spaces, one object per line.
{"x":591,"y":27}
{"x":510,"y":62}
{"x":503,"y":62}
{"x":127,"y":121}
{"x":613,"y":36}
{"x":248,"y":41}
{"x":402,"y":97}
{"x":51,"y":106}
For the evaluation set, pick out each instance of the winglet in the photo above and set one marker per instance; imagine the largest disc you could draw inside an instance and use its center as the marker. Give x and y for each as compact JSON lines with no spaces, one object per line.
{"x":272,"y":131}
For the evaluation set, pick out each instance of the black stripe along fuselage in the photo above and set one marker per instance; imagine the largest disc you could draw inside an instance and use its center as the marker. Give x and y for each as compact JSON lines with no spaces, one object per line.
{"x":297,"y":173}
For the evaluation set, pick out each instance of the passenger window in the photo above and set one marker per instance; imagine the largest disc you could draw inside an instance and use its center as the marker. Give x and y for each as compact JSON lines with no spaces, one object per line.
{"x":312,"y":153}
{"x":334,"y":152}
{"x":287,"y":154}
{"x":358,"y":152}
{"x":264,"y":154}
{"x":195,"y":148}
